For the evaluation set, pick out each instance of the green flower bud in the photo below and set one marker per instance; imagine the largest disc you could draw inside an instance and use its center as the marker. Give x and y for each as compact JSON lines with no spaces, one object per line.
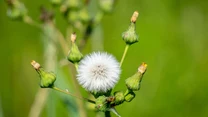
{"x":129,"y":96}
{"x":84,"y":15}
{"x":133,"y":82}
{"x":47,"y":79}
{"x":56,"y":2}
{"x":72,"y":16}
{"x":119,"y":97}
{"x":74,"y":55}
{"x":16,"y":10}
{"x":130,"y":35}
{"x":101,"y":103}
{"x":106,"y":5}
{"x":73,"y":4}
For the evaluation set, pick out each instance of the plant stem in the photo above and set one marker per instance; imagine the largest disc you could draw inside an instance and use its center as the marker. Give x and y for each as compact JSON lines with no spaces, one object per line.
{"x":124,"y":54}
{"x":107,"y":114}
{"x":30,"y":21}
{"x":68,"y":93}
{"x":63,"y":43}
{"x":76,"y":66}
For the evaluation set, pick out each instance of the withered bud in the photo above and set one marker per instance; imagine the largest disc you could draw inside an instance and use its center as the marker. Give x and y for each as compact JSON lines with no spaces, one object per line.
{"x":73,"y":37}
{"x":142,"y":68}
{"x":46,"y":16}
{"x":35,"y":64}
{"x":134,"y":16}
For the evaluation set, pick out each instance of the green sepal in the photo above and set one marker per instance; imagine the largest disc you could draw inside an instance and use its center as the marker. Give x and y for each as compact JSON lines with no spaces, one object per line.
{"x":129,"y":96}
{"x":74,"y":55}
{"x":130,"y":35}
{"x":47,"y":79}
{"x":101,"y":104}
{"x":133,"y":82}
{"x":119,"y":97}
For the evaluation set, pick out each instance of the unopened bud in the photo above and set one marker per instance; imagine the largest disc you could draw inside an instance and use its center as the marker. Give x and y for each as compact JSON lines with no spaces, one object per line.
{"x":84,"y":15}
{"x":119,"y":97}
{"x":106,"y":5}
{"x":74,"y":55}
{"x":133,"y":82}
{"x":72,"y":16}
{"x":130,"y":35}
{"x":47,"y":79}
{"x":101,"y":104}
{"x":16,"y":10}
{"x":129,"y":96}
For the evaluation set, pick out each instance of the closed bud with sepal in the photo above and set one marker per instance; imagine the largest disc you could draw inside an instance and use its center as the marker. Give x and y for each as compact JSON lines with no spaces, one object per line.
{"x":133,"y":82}
{"x":129,"y":95}
{"x":74,"y":55}
{"x":130,"y":36}
{"x":47,"y":79}
{"x":119,"y":97}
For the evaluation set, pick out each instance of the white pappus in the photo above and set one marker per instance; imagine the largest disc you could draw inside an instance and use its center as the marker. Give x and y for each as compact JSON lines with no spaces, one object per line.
{"x":98,"y":72}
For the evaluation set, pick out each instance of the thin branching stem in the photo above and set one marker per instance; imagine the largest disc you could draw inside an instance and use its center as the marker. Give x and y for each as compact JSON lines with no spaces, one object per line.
{"x":124,"y":54}
{"x":68,"y":93}
{"x":63,"y":43}
{"x":30,"y":21}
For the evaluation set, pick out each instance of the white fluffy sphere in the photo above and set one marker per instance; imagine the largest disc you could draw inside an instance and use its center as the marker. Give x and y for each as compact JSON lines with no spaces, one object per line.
{"x":98,"y":72}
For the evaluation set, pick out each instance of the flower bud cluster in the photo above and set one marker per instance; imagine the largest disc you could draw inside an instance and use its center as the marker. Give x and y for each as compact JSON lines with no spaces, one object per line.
{"x":130,"y":36}
{"x":74,"y":54}
{"x":133,"y":83}
{"x":16,"y":10}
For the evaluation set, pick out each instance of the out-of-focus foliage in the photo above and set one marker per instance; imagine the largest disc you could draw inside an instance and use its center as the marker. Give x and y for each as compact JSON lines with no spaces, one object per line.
{"x":173,"y":42}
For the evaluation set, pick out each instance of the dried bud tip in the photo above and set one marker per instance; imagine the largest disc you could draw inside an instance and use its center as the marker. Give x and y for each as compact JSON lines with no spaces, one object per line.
{"x":73,"y":37}
{"x":35,"y":64}
{"x":134,"y":16}
{"x":142,"y":68}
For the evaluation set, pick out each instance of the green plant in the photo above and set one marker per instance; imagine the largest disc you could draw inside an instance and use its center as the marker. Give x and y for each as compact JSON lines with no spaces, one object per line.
{"x":99,"y":72}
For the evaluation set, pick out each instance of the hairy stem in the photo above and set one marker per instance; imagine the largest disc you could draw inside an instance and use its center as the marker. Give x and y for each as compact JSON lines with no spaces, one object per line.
{"x":124,"y":54}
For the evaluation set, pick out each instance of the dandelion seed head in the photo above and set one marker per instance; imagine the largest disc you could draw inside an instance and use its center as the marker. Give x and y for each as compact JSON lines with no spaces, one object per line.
{"x":98,"y":72}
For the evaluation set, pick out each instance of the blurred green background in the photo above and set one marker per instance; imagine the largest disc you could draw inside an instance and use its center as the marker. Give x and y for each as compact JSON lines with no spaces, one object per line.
{"x":173,"y":42}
